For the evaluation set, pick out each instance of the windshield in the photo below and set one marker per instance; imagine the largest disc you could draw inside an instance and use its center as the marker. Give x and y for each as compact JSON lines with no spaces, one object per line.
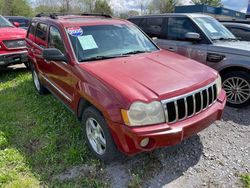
{"x":108,"y":41}
{"x":4,"y":22}
{"x":214,"y":29}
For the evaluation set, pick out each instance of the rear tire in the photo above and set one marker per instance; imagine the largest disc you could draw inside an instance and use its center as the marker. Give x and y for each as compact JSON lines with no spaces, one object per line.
{"x":237,"y":87}
{"x":97,"y":135}
{"x":38,"y":85}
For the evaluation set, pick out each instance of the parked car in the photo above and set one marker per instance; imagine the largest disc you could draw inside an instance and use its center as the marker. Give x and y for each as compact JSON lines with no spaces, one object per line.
{"x":23,"y":21}
{"x":241,"y":31}
{"x":12,"y":44}
{"x":204,"y":39}
{"x":129,"y":95}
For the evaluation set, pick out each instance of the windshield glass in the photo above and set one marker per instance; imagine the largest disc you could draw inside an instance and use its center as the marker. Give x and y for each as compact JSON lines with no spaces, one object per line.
{"x":108,"y":41}
{"x":214,"y":29}
{"x":4,"y":22}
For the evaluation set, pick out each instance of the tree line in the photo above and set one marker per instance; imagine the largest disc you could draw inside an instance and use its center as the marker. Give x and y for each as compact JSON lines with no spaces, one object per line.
{"x":30,"y":8}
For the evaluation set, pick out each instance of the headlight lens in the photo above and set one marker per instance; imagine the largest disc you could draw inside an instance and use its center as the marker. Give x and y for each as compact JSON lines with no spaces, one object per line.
{"x":141,"y":113}
{"x":218,"y":85}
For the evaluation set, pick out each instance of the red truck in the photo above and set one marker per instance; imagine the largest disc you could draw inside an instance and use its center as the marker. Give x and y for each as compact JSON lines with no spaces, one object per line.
{"x":129,"y":95}
{"x":12,"y":44}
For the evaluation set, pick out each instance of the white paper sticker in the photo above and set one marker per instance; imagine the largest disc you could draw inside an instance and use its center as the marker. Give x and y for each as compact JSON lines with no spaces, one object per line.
{"x":87,"y":42}
{"x":210,"y":27}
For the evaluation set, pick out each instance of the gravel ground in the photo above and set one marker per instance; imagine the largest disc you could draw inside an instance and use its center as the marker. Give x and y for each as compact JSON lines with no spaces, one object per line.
{"x":214,"y":158}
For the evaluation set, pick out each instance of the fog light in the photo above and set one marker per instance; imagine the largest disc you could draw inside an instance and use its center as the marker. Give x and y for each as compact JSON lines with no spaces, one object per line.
{"x":1,"y":62}
{"x":144,"y":142}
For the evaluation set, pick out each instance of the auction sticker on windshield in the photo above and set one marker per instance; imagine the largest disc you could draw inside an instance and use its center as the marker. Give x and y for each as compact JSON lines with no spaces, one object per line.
{"x":75,"y":31}
{"x":87,"y":42}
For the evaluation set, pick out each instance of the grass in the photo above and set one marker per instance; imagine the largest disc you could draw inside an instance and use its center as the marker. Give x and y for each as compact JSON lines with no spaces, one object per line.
{"x":39,"y":138}
{"x":245,"y":178}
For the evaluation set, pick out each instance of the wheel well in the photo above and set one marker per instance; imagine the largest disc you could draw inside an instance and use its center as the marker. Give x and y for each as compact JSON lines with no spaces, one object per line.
{"x":82,"y":105}
{"x":232,"y":69}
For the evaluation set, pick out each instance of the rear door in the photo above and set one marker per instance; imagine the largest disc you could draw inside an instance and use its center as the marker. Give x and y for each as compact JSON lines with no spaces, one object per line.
{"x":40,"y":44}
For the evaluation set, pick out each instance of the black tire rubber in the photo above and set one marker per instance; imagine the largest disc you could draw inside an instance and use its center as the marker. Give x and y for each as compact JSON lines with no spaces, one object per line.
{"x":111,"y":153}
{"x":42,"y":90}
{"x":27,"y":65}
{"x":243,"y":75}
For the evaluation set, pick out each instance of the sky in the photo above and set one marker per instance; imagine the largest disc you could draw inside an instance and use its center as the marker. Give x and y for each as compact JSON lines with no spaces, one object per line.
{"x":123,"y":5}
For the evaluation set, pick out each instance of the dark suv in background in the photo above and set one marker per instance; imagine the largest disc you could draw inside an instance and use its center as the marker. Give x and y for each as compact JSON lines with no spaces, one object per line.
{"x":206,"y":40}
{"x":23,"y":21}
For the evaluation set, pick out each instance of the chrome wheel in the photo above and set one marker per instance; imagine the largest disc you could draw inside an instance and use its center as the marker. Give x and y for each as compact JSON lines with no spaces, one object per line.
{"x":95,"y":136}
{"x":36,"y":80}
{"x":237,"y":90}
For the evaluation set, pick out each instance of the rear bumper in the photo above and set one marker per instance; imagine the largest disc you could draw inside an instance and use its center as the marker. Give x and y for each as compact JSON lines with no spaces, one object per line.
{"x":12,"y":58}
{"x":128,"y":139}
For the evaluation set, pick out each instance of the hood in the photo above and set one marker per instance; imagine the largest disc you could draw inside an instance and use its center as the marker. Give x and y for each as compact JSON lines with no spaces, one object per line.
{"x":11,"y":33}
{"x":157,"y":75}
{"x":232,"y":47}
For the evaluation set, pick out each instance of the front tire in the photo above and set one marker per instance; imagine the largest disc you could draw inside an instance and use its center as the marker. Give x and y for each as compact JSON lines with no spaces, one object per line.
{"x":97,"y":135}
{"x":38,"y":85}
{"x":237,"y":87}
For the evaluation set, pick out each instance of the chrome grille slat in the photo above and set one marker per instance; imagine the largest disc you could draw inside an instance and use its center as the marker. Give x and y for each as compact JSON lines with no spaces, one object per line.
{"x":185,"y":106}
{"x":194,"y":105}
{"x":207,"y":97}
{"x":176,"y":111}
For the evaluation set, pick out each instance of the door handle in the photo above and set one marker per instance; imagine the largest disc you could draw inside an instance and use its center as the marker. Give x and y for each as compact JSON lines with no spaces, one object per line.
{"x":171,"y":49}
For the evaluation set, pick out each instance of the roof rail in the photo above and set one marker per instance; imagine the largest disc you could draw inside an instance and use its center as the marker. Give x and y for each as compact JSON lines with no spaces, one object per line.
{"x":55,"y":15}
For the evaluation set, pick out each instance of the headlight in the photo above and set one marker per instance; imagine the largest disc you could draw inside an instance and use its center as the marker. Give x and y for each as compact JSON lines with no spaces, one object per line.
{"x":218,"y":84}
{"x":141,"y":113}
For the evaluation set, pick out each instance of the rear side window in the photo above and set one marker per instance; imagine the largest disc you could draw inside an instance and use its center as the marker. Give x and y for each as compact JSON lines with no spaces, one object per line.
{"x":155,"y":26}
{"x":41,"y":32}
{"x":243,"y":34}
{"x":55,"y":39}
{"x":178,"y":27}
{"x":31,"y":31}
{"x":135,"y":21}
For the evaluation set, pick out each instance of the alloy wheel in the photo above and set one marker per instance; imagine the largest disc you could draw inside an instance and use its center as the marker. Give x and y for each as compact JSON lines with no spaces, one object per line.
{"x":96,"y":136}
{"x":237,"y":90}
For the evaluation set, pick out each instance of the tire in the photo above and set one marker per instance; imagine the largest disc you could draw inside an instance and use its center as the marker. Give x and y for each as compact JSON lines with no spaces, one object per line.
{"x":36,"y":81}
{"x":27,"y":65}
{"x":237,"y":86}
{"x":107,"y":151}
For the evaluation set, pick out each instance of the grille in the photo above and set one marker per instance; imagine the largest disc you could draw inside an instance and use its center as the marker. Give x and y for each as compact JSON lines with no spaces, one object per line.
{"x":14,"y":43}
{"x":183,"y":107}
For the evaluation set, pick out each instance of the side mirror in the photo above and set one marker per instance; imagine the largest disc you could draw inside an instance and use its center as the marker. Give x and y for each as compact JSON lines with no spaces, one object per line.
{"x":53,"y":54}
{"x":16,"y":24}
{"x":193,"y":37}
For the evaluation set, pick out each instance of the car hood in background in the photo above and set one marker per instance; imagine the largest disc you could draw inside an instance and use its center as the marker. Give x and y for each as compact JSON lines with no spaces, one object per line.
{"x":231,"y":47}
{"x":157,"y":75}
{"x":12,"y":33}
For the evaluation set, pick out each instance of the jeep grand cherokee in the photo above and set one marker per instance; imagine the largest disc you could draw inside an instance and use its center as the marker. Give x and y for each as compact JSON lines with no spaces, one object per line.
{"x":129,"y":95}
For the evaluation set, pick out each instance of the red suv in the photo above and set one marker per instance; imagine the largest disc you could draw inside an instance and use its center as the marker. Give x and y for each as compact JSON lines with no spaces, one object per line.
{"x":12,"y":44}
{"x":129,"y":95}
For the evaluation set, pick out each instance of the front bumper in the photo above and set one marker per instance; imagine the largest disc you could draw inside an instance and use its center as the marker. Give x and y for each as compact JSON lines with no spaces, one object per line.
{"x":12,"y":58}
{"x":128,"y":138}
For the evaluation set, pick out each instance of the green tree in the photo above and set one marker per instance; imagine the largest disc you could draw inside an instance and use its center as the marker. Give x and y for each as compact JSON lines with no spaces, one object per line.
{"x":215,"y":3}
{"x":162,"y":6}
{"x":16,"y":8}
{"x":102,"y":6}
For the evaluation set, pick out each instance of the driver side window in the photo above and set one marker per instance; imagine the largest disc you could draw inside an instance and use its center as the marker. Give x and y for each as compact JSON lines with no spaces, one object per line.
{"x":178,"y":27}
{"x":55,"y":39}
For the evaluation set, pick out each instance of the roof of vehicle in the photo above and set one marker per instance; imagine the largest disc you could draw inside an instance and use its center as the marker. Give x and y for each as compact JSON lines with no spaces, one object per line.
{"x":240,"y":25}
{"x":191,"y":15}
{"x":79,"y":20}
{"x":235,"y":21}
{"x":16,"y":17}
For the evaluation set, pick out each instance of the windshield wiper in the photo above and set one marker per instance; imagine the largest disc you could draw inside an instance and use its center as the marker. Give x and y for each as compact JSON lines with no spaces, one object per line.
{"x":135,"y":52}
{"x":101,"y":58}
